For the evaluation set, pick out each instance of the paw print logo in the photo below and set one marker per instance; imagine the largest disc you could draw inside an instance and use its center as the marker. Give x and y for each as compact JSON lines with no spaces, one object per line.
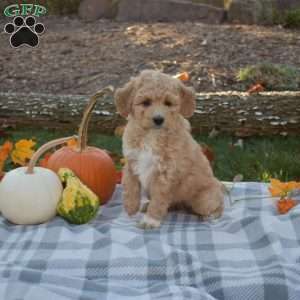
{"x":24,"y":31}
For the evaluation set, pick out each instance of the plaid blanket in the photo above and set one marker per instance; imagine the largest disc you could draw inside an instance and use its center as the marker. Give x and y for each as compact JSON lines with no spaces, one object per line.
{"x":250,"y":253}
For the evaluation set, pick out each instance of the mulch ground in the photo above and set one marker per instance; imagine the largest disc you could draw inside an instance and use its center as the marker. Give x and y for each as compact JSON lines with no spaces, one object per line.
{"x":76,"y":57}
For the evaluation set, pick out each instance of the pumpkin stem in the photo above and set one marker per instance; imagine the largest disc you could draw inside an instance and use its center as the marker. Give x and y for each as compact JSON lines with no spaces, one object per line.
{"x":35,"y":157}
{"x":82,"y":133}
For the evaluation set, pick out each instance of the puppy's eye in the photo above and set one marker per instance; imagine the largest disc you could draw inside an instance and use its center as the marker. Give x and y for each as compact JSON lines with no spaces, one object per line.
{"x":168,"y":103}
{"x":146,"y":103}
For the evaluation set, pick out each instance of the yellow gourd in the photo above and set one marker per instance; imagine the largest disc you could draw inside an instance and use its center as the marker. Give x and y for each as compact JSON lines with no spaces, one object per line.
{"x":78,"y":204}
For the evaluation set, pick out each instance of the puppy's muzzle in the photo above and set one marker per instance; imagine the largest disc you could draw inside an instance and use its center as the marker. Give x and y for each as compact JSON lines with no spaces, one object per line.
{"x":158,"y":120}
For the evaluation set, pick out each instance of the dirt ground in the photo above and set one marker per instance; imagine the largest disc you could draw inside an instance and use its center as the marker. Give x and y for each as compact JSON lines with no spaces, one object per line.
{"x":76,"y":57}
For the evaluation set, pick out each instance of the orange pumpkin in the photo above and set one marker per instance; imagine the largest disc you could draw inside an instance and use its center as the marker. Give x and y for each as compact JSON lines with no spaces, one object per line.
{"x":92,"y":165}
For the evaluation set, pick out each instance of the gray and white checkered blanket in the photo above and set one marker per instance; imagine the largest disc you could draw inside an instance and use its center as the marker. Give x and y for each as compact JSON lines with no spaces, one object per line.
{"x":250,"y":253}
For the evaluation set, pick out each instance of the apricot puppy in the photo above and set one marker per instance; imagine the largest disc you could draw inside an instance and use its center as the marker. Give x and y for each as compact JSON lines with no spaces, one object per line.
{"x":164,"y":162}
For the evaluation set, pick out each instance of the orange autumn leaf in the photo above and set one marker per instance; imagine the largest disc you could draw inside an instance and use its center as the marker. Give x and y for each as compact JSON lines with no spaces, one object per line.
{"x":5,"y":149}
{"x":4,"y":152}
{"x":292,"y":185}
{"x":276,"y":188}
{"x":72,"y":143}
{"x":281,"y":189}
{"x":7,"y":146}
{"x":22,"y":152}
{"x":208,"y":152}
{"x":119,"y":177}
{"x":184,"y":76}
{"x":44,"y":161}
{"x":284,"y":205}
{"x":257,"y":88}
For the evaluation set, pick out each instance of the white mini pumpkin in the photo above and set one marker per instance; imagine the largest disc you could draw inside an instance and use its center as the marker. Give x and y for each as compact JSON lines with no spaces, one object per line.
{"x":29,"y":195}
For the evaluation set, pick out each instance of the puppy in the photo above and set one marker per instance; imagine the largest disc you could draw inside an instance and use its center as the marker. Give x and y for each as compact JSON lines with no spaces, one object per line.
{"x":164,"y":162}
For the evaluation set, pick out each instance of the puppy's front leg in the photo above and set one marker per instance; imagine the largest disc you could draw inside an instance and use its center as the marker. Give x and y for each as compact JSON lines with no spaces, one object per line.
{"x":158,"y":205}
{"x":131,"y":191}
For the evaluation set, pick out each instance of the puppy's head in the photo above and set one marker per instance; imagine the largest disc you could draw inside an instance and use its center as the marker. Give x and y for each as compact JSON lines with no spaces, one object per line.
{"x":155,"y":100}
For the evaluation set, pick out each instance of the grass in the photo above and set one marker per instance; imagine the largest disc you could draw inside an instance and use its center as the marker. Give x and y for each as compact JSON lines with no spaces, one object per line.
{"x":110,"y":143}
{"x":261,"y":158}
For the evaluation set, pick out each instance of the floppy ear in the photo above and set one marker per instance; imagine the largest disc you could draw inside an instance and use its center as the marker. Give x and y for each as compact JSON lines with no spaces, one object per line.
{"x":123,"y":98}
{"x":188,"y":101}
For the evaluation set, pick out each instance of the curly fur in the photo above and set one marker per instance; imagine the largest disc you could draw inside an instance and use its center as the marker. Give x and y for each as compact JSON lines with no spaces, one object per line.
{"x":164,"y":162}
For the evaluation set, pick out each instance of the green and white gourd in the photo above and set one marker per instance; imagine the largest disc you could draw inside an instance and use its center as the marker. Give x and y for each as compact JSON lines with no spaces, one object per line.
{"x":78,"y":204}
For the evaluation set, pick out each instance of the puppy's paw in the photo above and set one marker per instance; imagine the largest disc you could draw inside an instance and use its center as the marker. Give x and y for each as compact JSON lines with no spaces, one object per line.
{"x":148,"y":223}
{"x":131,"y":207}
{"x":213,"y":216}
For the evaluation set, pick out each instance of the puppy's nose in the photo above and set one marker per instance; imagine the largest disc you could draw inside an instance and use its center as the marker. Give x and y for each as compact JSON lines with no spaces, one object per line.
{"x":158,"y":120}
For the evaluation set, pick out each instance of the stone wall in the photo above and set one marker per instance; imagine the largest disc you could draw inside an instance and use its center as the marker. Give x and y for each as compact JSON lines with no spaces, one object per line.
{"x":168,"y":10}
{"x":206,"y":11}
{"x":216,"y":3}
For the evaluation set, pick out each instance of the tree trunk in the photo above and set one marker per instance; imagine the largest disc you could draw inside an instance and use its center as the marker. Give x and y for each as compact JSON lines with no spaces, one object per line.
{"x":241,"y":114}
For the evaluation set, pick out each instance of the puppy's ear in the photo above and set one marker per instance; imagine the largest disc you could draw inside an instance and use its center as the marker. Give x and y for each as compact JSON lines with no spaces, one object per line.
{"x":188,"y":101}
{"x":123,"y":98}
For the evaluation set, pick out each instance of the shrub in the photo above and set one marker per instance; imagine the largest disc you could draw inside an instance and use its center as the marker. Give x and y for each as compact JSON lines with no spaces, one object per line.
{"x":217,"y":3}
{"x":271,"y":76}
{"x":289,"y":18}
{"x":292,"y":18}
